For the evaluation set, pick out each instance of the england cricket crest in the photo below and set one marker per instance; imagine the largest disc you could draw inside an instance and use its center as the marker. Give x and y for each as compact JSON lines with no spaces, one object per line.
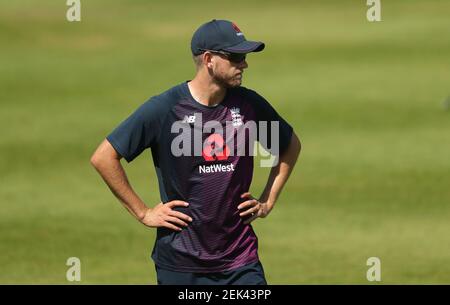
{"x":236,"y":116}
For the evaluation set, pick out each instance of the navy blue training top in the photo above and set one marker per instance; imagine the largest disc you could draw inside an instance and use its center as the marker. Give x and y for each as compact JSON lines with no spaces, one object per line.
{"x":211,"y":181}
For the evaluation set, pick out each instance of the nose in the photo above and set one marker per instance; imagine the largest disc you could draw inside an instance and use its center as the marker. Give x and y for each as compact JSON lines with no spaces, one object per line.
{"x":243,"y":64}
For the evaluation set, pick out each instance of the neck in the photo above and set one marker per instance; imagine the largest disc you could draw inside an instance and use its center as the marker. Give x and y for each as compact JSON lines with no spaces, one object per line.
{"x":205,"y":91}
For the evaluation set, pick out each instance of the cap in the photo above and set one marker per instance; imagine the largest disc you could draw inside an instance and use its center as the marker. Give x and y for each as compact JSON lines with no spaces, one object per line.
{"x":222,"y":35}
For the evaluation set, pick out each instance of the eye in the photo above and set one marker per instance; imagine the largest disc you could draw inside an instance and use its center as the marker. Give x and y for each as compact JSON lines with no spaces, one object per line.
{"x":237,"y":58}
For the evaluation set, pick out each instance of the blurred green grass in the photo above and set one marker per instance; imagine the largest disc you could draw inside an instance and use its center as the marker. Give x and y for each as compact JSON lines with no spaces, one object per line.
{"x":366,"y":99}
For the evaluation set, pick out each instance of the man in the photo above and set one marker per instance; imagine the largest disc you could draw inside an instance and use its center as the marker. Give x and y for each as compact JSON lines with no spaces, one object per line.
{"x":203,"y":226}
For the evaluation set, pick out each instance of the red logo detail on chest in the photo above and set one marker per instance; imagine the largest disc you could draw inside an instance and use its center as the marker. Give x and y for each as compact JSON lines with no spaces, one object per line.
{"x":214,"y":148}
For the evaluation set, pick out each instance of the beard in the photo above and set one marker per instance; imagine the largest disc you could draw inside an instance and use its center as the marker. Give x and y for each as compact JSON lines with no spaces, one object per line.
{"x":228,"y":82}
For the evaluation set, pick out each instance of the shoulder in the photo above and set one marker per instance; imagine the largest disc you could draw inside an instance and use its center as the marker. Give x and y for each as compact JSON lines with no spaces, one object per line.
{"x":162,"y":103}
{"x":245,"y":92}
{"x":250,"y":96}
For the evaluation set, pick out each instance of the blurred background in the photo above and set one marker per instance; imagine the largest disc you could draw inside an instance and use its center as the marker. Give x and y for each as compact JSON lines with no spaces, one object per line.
{"x":369,"y":100}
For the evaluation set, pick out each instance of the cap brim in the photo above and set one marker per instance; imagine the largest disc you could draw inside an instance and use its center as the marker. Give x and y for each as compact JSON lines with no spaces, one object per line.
{"x":246,"y":47}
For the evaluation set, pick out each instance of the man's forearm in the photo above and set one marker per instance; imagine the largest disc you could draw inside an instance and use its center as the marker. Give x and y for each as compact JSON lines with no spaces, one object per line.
{"x":279,"y":174}
{"x":115,"y":177}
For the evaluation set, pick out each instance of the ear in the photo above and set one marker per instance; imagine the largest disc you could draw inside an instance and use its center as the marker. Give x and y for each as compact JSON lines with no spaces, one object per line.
{"x":207,"y":60}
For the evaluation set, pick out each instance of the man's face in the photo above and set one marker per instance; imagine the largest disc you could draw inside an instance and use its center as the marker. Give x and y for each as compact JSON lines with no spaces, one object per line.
{"x":226,"y":72}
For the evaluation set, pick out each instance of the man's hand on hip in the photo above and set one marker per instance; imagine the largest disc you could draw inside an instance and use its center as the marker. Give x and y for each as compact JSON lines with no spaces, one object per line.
{"x":163,"y":215}
{"x":252,"y":208}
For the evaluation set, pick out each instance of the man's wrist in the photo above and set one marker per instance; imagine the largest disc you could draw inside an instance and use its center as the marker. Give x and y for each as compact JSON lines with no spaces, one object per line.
{"x":268,"y":204}
{"x":141,"y":214}
{"x":266,"y":200}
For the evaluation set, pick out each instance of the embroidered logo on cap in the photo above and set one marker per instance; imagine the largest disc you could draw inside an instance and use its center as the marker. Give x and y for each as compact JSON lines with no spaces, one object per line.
{"x":236,"y":28}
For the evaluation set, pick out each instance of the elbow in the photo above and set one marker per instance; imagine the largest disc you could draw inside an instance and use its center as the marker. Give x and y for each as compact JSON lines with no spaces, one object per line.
{"x":104,"y":156}
{"x":95,"y":160}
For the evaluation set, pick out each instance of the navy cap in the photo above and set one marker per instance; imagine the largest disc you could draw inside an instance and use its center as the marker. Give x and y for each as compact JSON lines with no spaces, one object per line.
{"x":222,"y":35}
